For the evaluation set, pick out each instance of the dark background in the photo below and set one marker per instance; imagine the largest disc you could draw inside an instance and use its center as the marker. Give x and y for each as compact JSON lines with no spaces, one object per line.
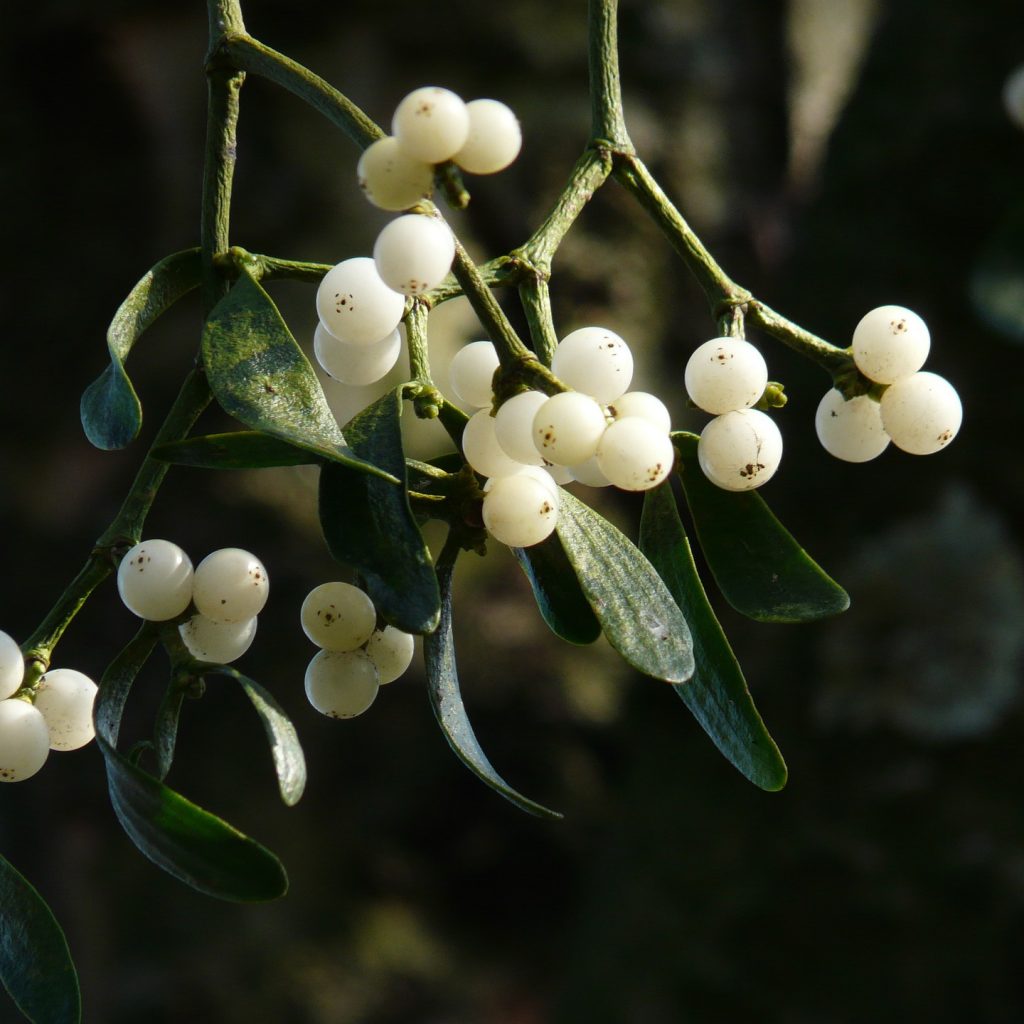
{"x":886,"y":882}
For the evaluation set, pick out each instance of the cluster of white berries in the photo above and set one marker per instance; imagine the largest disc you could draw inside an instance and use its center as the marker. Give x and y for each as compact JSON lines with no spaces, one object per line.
{"x":228,"y":589}
{"x":55,"y":715}
{"x":741,"y":448}
{"x":361,"y":301}
{"x":918,"y":411}
{"x":429,"y":126}
{"x":355,"y":658}
{"x":597,"y":434}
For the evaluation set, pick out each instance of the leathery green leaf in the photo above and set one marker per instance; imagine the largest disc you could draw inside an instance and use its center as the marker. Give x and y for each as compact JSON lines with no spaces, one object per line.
{"x":240,"y":449}
{"x":35,"y":962}
{"x":191,"y":844}
{"x":561,"y":601}
{"x":289,"y":761}
{"x":759,"y":567}
{"x":446,"y":698}
{"x":259,"y":375}
{"x":110,"y":410}
{"x":637,"y":613}
{"x":369,"y":525}
{"x":717,"y":695}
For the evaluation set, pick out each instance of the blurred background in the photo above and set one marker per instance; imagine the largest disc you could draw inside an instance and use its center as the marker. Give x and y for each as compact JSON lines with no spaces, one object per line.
{"x":835,"y":157}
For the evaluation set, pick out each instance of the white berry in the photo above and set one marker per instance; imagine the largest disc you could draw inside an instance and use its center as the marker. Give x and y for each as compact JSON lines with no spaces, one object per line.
{"x":341,"y":684}
{"x":519,"y":511}
{"x":850,"y":430}
{"x":921,"y":413}
{"x":355,"y":305}
{"x":538,"y":473}
{"x":390,"y":178}
{"x":65,"y":699}
{"x":740,"y":450}
{"x":589,"y":473}
{"x":24,"y":740}
{"x":568,"y":427}
{"x":391,"y":651}
{"x":889,"y":343}
{"x":494,"y":139}
{"x":634,"y":454}
{"x":230,"y":585}
{"x":513,"y":427}
{"x":595,"y":361}
{"x":12,"y":666}
{"x":481,"y":448}
{"x":219,"y":643}
{"x":154,"y":580}
{"x":431,"y":123}
{"x":471,"y":371}
{"x":353,"y":364}
{"x":646,"y":406}
{"x":338,"y":616}
{"x":725,"y":374}
{"x":414,"y":253}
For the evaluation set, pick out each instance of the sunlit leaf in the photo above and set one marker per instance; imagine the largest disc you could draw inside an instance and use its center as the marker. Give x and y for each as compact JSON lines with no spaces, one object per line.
{"x":368,"y":524}
{"x":446,"y":698}
{"x":241,"y":449}
{"x":259,"y":375}
{"x":110,"y":409}
{"x":717,"y":695}
{"x":637,"y":613}
{"x":560,"y":599}
{"x":758,"y":566}
{"x":289,"y":761}
{"x":189,"y":843}
{"x":35,"y":962}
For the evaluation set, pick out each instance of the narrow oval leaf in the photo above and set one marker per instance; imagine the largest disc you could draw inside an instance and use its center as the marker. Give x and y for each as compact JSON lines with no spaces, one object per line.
{"x":289,"y":760}
{"x":259,"y":375}
{"x":241,"y":449}
{"x":446,"y":698}
{"x":717,"y":695}
{"x":35,"y":962}
{"x":110,"y":409}
{"x":560,"y":599}
{"x":368,"y":524}
{"x":636,"y":611}
{"x":189,"y":843}
{"x":758,"y":566}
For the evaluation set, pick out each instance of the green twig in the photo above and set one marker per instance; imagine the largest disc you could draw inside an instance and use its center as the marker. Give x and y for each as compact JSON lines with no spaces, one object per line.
{"x":536,"y":301}
{"x":608,"y":122}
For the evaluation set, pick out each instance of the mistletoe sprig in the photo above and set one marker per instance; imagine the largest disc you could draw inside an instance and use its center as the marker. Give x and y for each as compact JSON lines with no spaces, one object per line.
{"x":588,"y":579}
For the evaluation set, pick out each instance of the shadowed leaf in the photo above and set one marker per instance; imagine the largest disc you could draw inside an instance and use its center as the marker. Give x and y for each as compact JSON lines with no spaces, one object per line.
{"x":110,"y":409}
{"x":446,"y":699}
{"x":368,"y":524}
{"x":717,"y":695}
{"x":758,"y":566}
{"x":240,"y":449}
{"x":35,"y":962}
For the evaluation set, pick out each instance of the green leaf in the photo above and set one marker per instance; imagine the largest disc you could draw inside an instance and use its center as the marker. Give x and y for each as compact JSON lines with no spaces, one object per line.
{"x":636,"y":611}
{"x":165,"y":729}
{"x":758,"y":566}
{"x":259,"y":375}
{"x":446,"y":699}
{"x":189,"y":843}
{"x":110,"y":409}
{"x":289,"y":761}
{"x":368,"y":524}
{"x":241,"y":449}
{"x":717,"y":695}
{"x":560,"y":599}
{"x":35,"y":962}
